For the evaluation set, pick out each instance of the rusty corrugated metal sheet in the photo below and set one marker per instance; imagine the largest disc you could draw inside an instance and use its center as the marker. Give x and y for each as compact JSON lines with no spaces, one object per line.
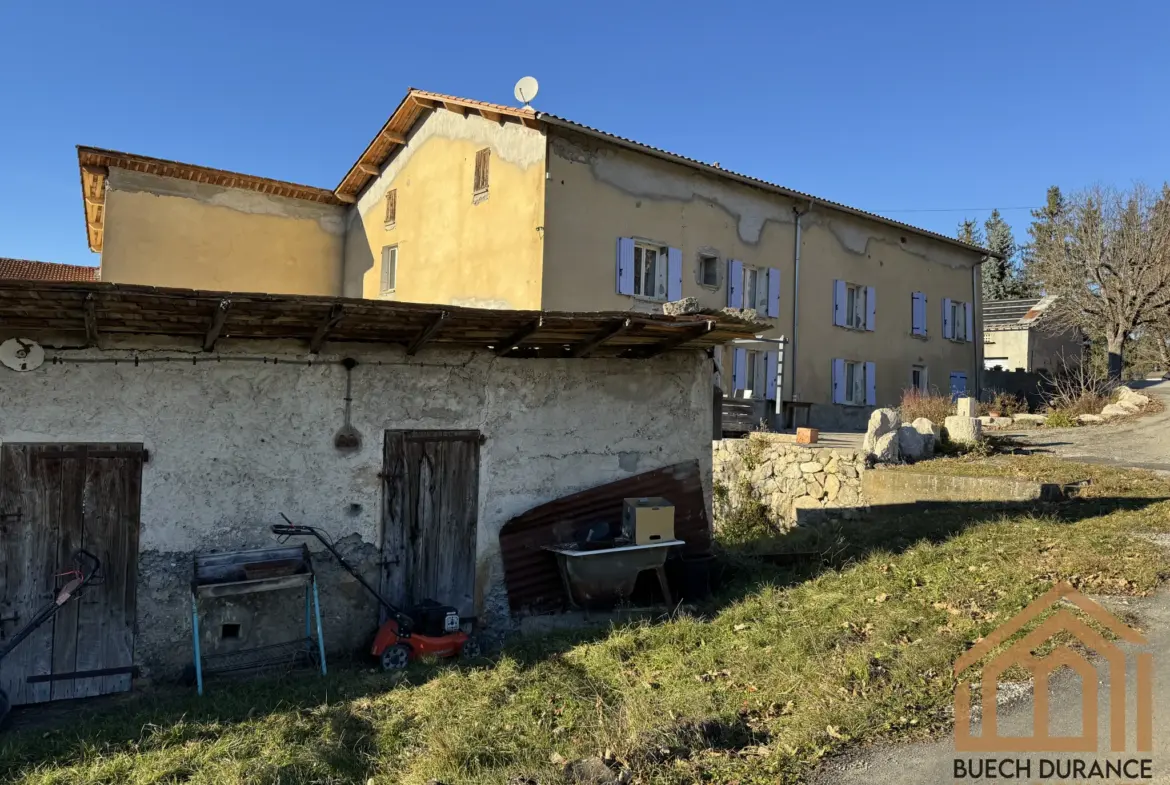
{"x":530,"y":573}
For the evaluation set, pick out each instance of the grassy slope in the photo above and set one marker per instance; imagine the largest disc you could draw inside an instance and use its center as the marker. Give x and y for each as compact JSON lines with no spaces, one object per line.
{"x":788,"y":667}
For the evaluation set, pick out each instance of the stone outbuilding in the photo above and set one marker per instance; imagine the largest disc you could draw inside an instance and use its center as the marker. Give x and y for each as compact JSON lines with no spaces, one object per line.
{"x":148,"y":425}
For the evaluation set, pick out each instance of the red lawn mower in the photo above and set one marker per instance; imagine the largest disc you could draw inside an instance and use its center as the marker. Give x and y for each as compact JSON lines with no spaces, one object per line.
{"x":429,"y":630}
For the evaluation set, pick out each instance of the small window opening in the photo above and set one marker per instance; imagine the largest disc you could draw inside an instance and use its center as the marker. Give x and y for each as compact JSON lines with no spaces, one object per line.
{"x":229,"y":631}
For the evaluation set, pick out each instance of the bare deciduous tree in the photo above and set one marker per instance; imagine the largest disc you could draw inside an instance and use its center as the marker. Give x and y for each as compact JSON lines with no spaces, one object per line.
{"x":1108,"y":258}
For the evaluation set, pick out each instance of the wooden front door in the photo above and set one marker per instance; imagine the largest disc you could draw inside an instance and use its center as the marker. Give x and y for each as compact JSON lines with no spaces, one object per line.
{"x":54,"y":499}
{"x":429,"y":517}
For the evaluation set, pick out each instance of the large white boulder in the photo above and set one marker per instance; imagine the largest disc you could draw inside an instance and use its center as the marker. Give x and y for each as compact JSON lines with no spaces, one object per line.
{"x":963,"y":430}
{"x":1126,"y":395}
{"x":1115,"y":410}
{"x":911,"y":445}
{"x":883,"y":422}
{"x":886,"y":448}
{"x":930,"y":432}
{"x":1089,"y":419}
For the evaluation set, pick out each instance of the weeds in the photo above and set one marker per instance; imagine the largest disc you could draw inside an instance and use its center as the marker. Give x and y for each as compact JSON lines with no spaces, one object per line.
{"x":931,"y":404}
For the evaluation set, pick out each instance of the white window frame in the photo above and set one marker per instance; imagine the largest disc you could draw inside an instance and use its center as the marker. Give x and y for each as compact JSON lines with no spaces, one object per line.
{"x":856,"y":369}
{"x":755,"y":295}
{"x":755,"y":373}
{"x":923,"y":383}
{"x":389,"y":256}
{"x":713,"y":258}
{"x":855,"y":316}
{"x":959,"y":321}
{"x":661,"y":273}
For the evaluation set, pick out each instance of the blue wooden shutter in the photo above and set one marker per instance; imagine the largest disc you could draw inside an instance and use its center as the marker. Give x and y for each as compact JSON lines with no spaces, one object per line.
{"x":970,"y":315}
{"x":948,"y":328}
{"x":674,"y":274}
{"x":958,"y":385}
{"x":839,"y":299}
{"x":870,"y":308}
{"x":625,"y":265}
{"x":838,"y":381}
{"x":871,"y":384}
{"x":773,"y":292}
{"x":734,"y":283}
{"x":771,"y":366}
{"x":738,"y":370}
{"x":918,"y":314}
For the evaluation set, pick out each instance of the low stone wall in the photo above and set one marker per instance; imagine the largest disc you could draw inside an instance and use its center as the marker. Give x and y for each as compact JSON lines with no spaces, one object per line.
{"x":796,"y":483}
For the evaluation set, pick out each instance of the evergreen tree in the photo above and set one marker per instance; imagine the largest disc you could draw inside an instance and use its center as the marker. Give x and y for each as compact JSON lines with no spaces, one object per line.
{"x":969,"y":232}
{"x":1043,"y":232}
{"x":999,"y":279}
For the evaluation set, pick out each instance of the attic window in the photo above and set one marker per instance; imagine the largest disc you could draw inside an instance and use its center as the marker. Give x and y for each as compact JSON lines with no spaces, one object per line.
{"x":482,"y":162}
{"x":391,"y":207}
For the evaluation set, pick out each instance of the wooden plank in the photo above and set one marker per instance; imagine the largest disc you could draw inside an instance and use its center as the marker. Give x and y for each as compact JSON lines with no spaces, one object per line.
{"x":29,"y":544}
{"x":426,"y":333}
{"x":396,"y":506}
{"x":91,"y":325}
{"x":492,"y":116}
{"x":610,"y":331}
{"x":254,"y":586}
{"x":336,"y":314}
{"x":393,"y":137}
{"x":347,"y":198}
{"x":369,"y":169}
{"x":514,"y":340}
{"x":216,"y":326}
{"x":70,"y":535}
{"x":684,"y":336}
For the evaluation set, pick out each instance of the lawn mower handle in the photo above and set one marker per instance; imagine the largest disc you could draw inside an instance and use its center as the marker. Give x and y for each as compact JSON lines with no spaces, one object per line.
{"x":290,"y":529}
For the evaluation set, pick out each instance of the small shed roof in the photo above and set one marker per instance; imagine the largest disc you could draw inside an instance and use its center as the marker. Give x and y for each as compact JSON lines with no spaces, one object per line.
{"x":46,"y":271}
{"x":1015,"y":314}
{"x":96,"y":309}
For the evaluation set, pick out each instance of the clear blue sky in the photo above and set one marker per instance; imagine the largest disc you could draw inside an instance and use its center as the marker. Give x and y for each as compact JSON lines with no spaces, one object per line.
{"x":883,"y":106}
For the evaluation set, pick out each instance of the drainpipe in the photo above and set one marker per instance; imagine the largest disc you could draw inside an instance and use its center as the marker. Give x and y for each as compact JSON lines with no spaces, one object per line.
{"x":790,"y":360}
{"x":977,"y":326}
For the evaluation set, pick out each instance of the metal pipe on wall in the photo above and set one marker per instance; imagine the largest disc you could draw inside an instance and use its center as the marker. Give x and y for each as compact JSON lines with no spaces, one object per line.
{"x":790,"y":359}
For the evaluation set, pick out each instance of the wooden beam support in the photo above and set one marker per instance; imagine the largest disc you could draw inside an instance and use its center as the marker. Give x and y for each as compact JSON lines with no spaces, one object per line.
{"x":505,"y":347}
{"x":393,"y":138}
{"x":425,"y":103}
{"x":531,"y":122}
{"x":91,"y":325}
{"x":426,"y":334}
{"x":684,"y":336}
{"x":216,"y":326}
{"x":335,"y":315}
{"x":95,"y":171}
{"x":492,"y":116}
{"x":458,"y":109}
{"x":369,"y":169}
{"x":612,"y":331}
{"x":347,"y":198}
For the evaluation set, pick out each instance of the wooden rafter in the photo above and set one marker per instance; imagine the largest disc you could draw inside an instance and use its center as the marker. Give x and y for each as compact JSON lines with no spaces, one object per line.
{"x":347,"y":198}
{"x":531,"y":122}
{"x":457,"y":108}
{"x":369,"y":169}
{"x":425,"y":103}
{"x":336,"y":313}
{"x":91,"y":325}
{"x":427,"y":333}
{"x":216,"y":326}
{"x":506,"y":346}
{"x":490,"y":115}
{"x":611,"y":331}
{"x":685,"y":335}
{"x":393,"y":137}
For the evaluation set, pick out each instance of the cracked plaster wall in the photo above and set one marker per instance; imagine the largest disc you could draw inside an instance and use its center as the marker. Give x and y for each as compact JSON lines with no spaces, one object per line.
{"x":233,"y":444}
{"x":597,"y":192}
{"x":161,"y":231}
{"x":453,"y":247}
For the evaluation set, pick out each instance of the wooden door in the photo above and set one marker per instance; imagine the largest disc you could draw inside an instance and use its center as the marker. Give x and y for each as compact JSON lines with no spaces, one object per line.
{"x":54,"y":499}
{"x":429,"y":517}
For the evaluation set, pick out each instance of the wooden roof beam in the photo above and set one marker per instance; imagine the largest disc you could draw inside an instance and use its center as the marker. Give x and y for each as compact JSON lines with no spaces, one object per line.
{"x":335,"y":315}
{"x":347,"y":198}
{"x":531,"y":122}
{"x":685,"y":335}
{"x":458,"y":109}
{"x":427,"y":333}
{"x":91,"y":325}
{"x":491,"y":116}
{"x":425,"y":103}
{"x":369,"y":169}
{"x":216,"y":326}
{"x":393,"y":138}
{"x":611,"y":331}
{"x":505,"y":347}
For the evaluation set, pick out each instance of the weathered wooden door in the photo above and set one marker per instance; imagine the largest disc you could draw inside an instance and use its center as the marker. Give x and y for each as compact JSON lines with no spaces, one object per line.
{"x":54,"y":499}
{"x":429,"y":517}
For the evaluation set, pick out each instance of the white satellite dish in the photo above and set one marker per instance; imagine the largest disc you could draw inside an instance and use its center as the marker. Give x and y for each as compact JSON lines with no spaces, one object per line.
{"x":526,"y":90}
{"x":21,"y":354}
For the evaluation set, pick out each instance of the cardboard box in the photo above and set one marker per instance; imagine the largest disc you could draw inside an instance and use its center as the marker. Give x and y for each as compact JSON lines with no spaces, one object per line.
{"x":807,"y":435}
{"x":647,"y":520}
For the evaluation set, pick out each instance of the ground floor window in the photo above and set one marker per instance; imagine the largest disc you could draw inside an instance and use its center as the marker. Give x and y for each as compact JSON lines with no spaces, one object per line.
{"x":918,"y":378}
{"x":855,"y":382}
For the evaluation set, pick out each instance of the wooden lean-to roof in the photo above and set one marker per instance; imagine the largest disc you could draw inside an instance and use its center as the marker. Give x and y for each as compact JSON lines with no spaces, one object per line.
{"x":93,"y":311}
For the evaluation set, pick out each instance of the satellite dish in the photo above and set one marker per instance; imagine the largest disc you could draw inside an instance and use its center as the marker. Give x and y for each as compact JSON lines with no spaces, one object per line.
{"x":21,"y":354}
{"x":526,"y":90}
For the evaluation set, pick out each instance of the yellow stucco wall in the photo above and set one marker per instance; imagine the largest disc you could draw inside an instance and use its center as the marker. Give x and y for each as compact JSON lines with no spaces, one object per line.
{"x":160,"y":231}
{"x":454,"y":249}
{"x":598,"y":192}
{"x":1034,"y":349}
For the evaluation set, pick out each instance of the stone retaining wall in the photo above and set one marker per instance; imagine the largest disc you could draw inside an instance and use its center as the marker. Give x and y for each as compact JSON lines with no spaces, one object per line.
{"x":796,"y":483}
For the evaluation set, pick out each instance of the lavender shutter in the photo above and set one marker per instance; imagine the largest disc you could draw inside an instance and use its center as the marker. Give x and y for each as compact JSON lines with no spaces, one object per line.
{"x":838,"y":381}
{"x":625,"y":265}
{"x":948,"y":328}
{"x":970,"y":315}
{"x":839,"y":299}
{"x":738,"y":370}
{"x":871,"y":384}
{"x":773,"y":292}
{"x":734,"y":283}
{"x":771,"y":366}
{"x":674,"y":274}
{"x":870,"y":308}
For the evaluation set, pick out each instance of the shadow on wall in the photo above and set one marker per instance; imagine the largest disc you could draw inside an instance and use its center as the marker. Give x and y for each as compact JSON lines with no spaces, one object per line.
{"x":358,"y":260}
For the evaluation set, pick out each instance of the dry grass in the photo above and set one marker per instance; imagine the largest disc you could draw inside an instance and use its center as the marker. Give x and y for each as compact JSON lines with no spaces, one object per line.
{"x":785,"y":668}
{"x":932,"y":405}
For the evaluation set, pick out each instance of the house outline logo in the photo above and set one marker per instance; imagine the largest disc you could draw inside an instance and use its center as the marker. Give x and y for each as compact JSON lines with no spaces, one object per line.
{"x":1041,"y":668}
